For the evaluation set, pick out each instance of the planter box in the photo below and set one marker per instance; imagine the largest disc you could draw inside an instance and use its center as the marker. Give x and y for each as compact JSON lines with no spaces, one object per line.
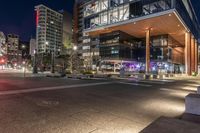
{"x":192,"y":104}
{"x":169,"y":125}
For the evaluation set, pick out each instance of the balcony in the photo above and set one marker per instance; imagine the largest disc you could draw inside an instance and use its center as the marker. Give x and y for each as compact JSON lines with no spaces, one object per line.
{"x":135,"y":11}
{"x":128,"y":10}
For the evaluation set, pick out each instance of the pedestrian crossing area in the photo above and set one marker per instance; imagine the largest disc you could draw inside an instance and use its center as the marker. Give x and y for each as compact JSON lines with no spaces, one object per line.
{"x":145,"y":83}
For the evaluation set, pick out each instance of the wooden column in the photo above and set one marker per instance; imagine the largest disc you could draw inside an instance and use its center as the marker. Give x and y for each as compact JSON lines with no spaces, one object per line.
{"x":192,"y":54}
{"x":147,"y":51}
{"x":196,"y":56}
{"x":187,"y":53}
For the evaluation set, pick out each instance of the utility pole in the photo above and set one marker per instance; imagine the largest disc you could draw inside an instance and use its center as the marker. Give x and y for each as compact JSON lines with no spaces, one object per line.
{"x":52,"y":61}
{"x":35,"y":62}
{"x":53,"y":55}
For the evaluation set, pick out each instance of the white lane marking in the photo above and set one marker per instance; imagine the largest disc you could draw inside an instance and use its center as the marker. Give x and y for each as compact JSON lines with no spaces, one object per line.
{"x":73,"y":79}
{"x":177,"y":90}
{"x":135,"y":84}
{"x":164,"y":80}
{"x":166,"y":89}
{"x":50,"y":88}
{"x":153,"y":82}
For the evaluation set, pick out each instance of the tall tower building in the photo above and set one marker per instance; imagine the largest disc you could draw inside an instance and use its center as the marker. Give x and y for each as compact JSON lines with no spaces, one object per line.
{"x":67,"y":31}
{"x":140,"y":36}
{"x":13,"y":53}
{"x":87,"y":45}
{"x":2,"y":43}
{"x":49,"y":30}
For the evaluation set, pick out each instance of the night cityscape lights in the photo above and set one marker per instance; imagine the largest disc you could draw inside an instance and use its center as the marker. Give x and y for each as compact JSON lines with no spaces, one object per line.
{"x":100,"y":66}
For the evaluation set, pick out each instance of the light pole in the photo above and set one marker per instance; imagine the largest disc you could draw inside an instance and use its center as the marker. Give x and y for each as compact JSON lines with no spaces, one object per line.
{"x":53,"y":52}
{"x":35,"y":62}
{"x":92,"y":47}
{"x":71,"y":57}
{"x":24,"y":68}
{"x":53,"y":61}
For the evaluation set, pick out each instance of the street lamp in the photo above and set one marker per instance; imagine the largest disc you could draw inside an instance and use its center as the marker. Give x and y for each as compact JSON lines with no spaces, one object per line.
{"x":75,"y":48}
{"x":53,"y":53}
{"x":23,"y":46}
{"x":34,"y":63}
{"x":53,"y":61}
{"x":24,"y":68}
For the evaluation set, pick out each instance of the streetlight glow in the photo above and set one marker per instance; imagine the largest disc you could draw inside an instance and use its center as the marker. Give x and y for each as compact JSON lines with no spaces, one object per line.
{"x":23,"y":46}
{"x":2,"y":61}
{"x":75,"y":48}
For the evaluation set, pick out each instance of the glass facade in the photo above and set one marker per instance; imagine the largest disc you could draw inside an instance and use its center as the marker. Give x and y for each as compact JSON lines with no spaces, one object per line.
{"x":105,"y":12}
{"x":120,"y":45}
{"x":166,"y":54}
{"x":184,"y":8}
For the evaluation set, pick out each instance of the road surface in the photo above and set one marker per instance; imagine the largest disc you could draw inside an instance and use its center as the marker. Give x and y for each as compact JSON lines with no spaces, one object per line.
{"x":61,"y":105}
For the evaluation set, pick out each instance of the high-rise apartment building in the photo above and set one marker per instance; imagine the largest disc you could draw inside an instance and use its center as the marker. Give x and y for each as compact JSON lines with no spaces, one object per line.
{"x":2,"y":38}
{"x":32,"y":47}
{"x":2,"y":44}
{"x":151,"y":36}
{"x":49,"y":33}
{"x":14,"y":55}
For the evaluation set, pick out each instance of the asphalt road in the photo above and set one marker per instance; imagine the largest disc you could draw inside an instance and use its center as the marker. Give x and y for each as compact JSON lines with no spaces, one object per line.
{"x":53,"y":105}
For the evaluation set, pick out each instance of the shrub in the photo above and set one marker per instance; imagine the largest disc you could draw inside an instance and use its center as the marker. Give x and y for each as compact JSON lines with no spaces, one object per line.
{"x":88,"y":73}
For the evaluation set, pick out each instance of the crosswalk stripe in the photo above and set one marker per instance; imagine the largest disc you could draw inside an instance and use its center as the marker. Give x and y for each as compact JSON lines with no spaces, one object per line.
{"x":135,"y":84}
{"x":164,"y":80}
{"x":152,"y":82}
{"x":50,"y":88}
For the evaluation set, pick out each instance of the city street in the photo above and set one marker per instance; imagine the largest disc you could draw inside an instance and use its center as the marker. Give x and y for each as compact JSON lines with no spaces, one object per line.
{"x":99,"y":66}
{"x":61,"y":105}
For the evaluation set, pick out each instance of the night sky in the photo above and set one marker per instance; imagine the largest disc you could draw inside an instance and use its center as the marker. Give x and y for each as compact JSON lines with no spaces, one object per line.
{"x":18,"y":16}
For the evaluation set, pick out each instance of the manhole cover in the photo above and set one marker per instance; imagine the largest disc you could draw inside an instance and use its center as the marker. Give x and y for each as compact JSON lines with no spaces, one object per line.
{"x":48,"y":103}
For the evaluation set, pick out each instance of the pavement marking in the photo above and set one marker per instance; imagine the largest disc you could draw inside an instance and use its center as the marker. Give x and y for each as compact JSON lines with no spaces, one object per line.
{"x":72,"y":79}
{"x":135,"y":84}
{"x":161,"y":82}
{"x":166,"y":89}
{"x":11,"y":92}
{"x":152,"y":82}
{"x":174,"y":91}
{"x":165,"y":80}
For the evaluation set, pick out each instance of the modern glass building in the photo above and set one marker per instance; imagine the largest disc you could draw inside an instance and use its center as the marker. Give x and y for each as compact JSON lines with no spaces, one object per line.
{"x":151,"y":36}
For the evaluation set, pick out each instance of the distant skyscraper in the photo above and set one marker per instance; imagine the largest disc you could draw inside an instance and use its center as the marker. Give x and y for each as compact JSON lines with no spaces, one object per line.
{"x":2,"y":43}
{"x":2,"y":38}
{"x":49,"y":30}
{"x":32,"y":46}
{"x":13,"y":53}
{"x":67,"y":31}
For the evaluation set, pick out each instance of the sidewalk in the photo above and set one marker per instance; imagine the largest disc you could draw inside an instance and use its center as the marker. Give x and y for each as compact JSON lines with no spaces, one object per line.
{"x":21,"y":73}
